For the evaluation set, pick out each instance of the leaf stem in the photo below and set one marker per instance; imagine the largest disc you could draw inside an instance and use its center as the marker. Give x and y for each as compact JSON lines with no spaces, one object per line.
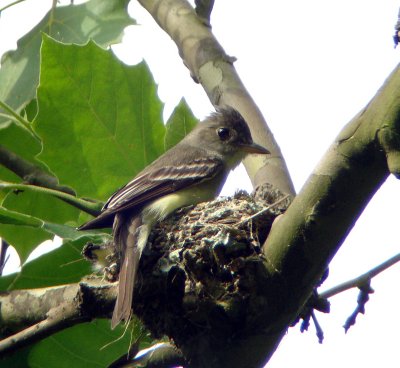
{"x":92,"y":208}
{"x":11,"y":4}
{"x":18,"y":118}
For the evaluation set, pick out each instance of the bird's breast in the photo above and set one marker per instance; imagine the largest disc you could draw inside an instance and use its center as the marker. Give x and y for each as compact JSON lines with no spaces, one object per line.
{"x":162,"y":207}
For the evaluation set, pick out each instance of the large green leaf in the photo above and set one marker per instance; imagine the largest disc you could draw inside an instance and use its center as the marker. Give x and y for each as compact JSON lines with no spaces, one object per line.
{"x":99,"y":119}
{"x":24,"y":225}
{"x":61,"y":266}
{"x":180,"y":123}
{"x":80,"y":345}
{"x":100,"y":20}
{"x":25,"y":238}
{"x":20,"y":142}
{"x":88,"y":345}
{"x":15,"y":218}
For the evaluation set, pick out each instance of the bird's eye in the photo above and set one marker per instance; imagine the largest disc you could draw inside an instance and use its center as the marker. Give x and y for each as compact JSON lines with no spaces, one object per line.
{"x":223,"y":133}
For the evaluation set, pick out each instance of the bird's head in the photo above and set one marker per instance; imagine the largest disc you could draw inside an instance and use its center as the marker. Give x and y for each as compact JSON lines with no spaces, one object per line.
{"x":227,"y":134}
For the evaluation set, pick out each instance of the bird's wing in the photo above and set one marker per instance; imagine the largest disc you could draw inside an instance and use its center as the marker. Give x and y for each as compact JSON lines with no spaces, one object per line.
{"x":154,"y":183}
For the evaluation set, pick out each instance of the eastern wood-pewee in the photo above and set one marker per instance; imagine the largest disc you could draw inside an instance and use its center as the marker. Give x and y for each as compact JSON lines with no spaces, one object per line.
{"x":191,"y":172}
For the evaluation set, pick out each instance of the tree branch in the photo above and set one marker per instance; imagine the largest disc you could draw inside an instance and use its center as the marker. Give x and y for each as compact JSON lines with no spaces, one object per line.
{"x":303,"y":240}
{"x":3,"y":259}
{"x":60,"y":317}
{"x":50,"y":310}
{"x":29,"y":172}
{"x":10,"y":5}
{"x":204,"y":9}
{"x":360,"y":280}
{"x":396,"y":36}
{"x":213,"y":68}
{"x":41,"y":181}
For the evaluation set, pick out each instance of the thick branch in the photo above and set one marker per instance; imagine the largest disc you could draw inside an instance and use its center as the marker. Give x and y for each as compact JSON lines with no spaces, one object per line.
{"x":213,"y":68}
{"x":59,"y":318}
{"x":304,"y":240}
{"x":49,"y":310}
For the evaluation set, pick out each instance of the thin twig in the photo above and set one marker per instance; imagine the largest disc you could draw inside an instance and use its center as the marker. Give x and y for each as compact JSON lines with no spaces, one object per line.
{"x":51,"y":17}
{"x":10,"y":5}
{"x":29,"y":172}
{"x":320,"y":332}
{"x":3,"y":258}
{"x":263,"y":210}
{"x":360,"y":280}
{"x":40,"y":181}
{"x":204,"y":9}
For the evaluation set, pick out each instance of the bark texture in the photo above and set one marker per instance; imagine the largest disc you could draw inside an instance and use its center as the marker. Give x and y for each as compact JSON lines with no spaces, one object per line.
{"x":213,"y":68}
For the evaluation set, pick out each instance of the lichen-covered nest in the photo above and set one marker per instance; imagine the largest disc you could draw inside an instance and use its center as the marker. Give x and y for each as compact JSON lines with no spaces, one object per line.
{"x":202,"y":272}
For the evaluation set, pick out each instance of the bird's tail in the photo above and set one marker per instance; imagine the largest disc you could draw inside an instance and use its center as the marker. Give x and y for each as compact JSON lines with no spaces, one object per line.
{"x":127,"y":238}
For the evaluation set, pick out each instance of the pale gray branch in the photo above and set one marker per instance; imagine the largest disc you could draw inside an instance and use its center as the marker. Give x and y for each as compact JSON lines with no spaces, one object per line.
{"x":38,"y":313}
{"x":213,"y":68}
{"x":360,"y":280}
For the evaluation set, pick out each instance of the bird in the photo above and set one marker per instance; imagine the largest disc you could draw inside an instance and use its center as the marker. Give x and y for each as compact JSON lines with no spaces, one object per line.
{"x":192,"y":171}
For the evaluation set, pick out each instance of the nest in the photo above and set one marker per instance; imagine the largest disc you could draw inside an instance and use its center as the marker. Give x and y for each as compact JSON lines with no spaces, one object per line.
{"x":202,"y":272}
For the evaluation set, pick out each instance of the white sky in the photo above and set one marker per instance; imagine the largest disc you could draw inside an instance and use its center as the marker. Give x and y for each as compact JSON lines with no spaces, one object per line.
{"x":310,"y":66}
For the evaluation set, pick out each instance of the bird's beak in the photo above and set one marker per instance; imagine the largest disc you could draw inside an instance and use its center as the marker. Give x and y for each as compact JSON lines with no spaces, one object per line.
{"x":254,"y":148}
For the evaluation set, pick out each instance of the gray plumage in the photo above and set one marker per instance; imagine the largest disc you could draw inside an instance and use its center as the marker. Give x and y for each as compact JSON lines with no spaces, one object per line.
{"x":191,"y":172}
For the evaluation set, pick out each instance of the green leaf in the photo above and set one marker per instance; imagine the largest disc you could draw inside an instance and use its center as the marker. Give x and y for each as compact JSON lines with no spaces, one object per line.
{"x":67,"y":232}
{"x":46,"y":207}
{"x":180,"y":123}
{"x":30,"y":110}
{"x":23,"y":232}
{"x":26,"y":231}
{"x":15,"y":218}
{"x":20,"y":142}
{"x":100,"y":20}
{"x":61,"y":266}
{"x":81,"y":346}
{"x":99,"y":119}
